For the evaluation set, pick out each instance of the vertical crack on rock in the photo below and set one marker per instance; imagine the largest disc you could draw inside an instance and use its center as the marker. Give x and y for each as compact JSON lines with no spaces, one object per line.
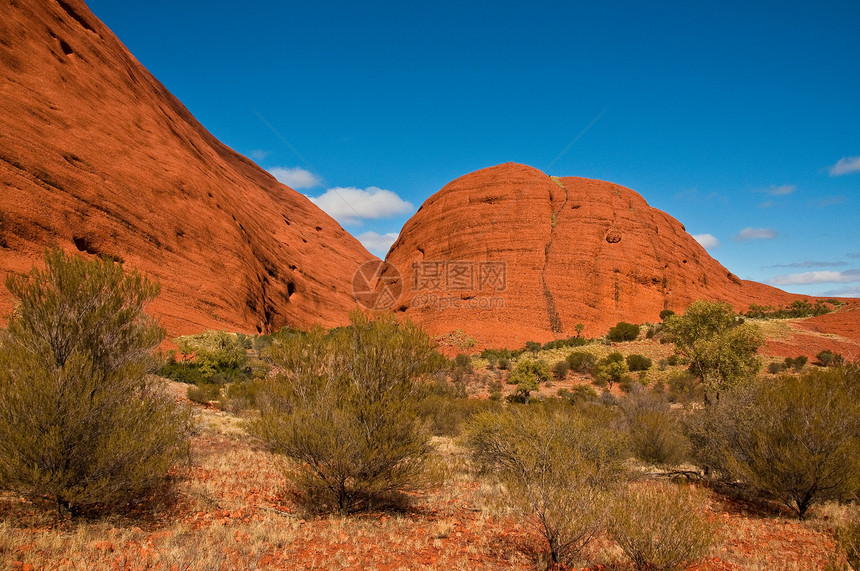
{"x":555,"y":324}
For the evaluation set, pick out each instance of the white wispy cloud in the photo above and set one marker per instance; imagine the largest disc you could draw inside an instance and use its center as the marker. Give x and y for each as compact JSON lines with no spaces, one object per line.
{"x":829,"y":201}
{"x":809,"y":264}
{"x":377,"y":243}
{"x":350,"y":205}
{"x":781,"y":190}
{"x":849,"y":291}
{"x":755,"y":234}
{"x":819,"y":277}
{"x":295,"y":177}
{"x":707,"y":241}
{"x":259,"y":154}
{"x":845,"y":165}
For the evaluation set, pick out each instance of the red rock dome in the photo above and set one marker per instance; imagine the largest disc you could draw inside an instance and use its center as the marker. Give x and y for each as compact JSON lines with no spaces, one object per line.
{"x":509,"y":254}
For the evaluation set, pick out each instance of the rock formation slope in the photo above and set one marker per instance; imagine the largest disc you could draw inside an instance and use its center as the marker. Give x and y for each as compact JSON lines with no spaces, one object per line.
{"x":509,"y":254}
{"x":97,"y":156}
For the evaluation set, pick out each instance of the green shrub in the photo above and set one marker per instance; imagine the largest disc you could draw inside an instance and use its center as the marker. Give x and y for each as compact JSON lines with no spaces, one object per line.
{"x":797,"y":363}
{"x":828,"y":358}
{"x":180,"y":371}
{"x":500,"y":353}
{"x":656,"y":433}
{"x":578,"y":394}
{"x":241,"y":396}
{"x":623,"y":331}
{"x":798,"y":308}
{"x":661,"y":526}
{"x":683,"y":387}
{"x":447,"y":414}
{"x":463,"y":361}
{"x":638,"y":362}
{"x":774,"y":368}
{"x":560,"y":370}
{"x":558,"y":466}
{"x":204,"y":393}
{"x":673,"y":360}
{"x":344,"y":409}
{"x":82,"y":423}
{"x":577,"y":341}
{"x":504,"y":363}
{"x":495,"y":390}
{"x":533,"y":346}
{"x":611,"y":369}
{"x":796,"y":440}
{"x":261,"y":343}
{"x":528,"y":375}
{"x":848,"y":538}
{"x":218,"y":356}
{"x":666,"y":314}
{"x":582,"y":362}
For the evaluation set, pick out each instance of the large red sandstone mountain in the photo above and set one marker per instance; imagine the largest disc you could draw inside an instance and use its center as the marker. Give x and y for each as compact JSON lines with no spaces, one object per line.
{"x":509,"y":254}
{"x":97,"y":156}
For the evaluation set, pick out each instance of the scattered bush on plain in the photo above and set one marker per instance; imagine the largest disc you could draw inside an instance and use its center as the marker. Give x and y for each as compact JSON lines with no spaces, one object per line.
{"x":582,"y":362}
{"x":636,"y":362}
{"x":661,"y":526}
{"x":344,"y":409}
{"x":796,"y":439}
{"x":558,"y":465}
{"x":848,"y":538}
{"x":656,"y":432}
{"x":623,"y":331}
{"x":560,"y":370}
{"x":828,"y":358}
{"x":82,"y":422}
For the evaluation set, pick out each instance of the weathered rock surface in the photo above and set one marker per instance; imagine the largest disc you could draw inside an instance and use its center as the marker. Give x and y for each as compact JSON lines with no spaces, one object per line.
{"x":97,"y":156}
{"x":573,"y":250}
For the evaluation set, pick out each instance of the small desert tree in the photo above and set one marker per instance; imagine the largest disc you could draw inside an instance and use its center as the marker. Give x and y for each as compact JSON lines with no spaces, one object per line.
{"x":796,"y":439}
{"x":558,"y":466}
{"x":611,"y":369}
{"x":344,"y":409}
{"x":81,"y":422}
{"x":528,"y":375}
{"x":721,"y":352}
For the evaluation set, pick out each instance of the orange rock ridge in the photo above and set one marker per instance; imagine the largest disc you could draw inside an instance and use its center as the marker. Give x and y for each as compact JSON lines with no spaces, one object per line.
{"x":97,"y":156}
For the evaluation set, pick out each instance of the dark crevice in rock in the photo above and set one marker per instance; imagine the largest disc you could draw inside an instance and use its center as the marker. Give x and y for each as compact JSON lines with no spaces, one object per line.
{"x":75,"y":16}
{"x":555,"y":324}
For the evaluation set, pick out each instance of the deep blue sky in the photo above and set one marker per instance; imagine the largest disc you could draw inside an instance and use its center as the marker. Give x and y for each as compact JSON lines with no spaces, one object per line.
{"x":729,"y":116}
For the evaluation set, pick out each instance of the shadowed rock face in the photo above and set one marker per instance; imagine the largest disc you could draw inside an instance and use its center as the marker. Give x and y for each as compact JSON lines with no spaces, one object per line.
{"x":98,"y":157}
{"x":573,"y":250}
